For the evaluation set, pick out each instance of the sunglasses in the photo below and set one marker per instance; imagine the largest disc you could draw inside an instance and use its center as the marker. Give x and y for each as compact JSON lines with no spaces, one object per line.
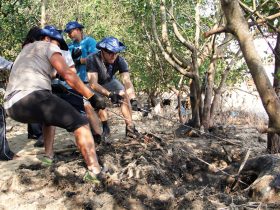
{"x":108,"y":51}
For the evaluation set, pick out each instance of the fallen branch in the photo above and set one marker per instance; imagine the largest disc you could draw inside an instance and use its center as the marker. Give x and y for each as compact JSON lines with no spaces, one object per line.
{"x":203,"y":161}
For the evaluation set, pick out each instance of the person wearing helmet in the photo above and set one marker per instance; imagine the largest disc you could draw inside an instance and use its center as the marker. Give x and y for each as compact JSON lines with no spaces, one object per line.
{"x":28,"y":98}
{"x":101,"y":68}
{"x":80,"y":47}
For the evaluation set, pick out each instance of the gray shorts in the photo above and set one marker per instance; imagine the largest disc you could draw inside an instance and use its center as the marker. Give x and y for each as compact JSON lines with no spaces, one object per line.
{"x":44,"y":107}
{"x":114,"y":85}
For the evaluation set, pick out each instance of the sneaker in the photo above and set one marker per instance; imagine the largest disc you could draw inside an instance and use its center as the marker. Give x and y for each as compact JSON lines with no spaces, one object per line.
{"x":93,"y":178}
{"x":47,"y":161}
{"x":132,"y":132}
{"x":39,"y":142}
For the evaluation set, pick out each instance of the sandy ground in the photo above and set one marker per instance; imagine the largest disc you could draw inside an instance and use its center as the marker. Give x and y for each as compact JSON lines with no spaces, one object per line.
{"x":159,"y":171}
{"x":13,"y":196}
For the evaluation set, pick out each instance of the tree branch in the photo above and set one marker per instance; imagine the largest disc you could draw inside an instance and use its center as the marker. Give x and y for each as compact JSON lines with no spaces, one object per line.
{"x":178,"y":59}
{"x":165,"y":54}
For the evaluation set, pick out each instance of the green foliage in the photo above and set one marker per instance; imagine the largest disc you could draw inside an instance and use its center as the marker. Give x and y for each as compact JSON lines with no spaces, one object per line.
{"x":16,"y":17}
{"x":128,"y":20}
{"x":265,"y":9}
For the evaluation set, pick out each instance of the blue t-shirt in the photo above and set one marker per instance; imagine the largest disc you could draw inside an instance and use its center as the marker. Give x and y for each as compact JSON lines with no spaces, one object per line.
{"x":88,"y":46}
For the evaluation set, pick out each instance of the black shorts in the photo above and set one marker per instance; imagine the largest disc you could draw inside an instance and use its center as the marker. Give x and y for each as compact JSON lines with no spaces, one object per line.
{"x":44,"y":107}
{"x":75,"y":100}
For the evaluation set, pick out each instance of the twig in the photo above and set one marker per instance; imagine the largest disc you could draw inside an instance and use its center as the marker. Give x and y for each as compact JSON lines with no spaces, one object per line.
{"x":244,"y":161}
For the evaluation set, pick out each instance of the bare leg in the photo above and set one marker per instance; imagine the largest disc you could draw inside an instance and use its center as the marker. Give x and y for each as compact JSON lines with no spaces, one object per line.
{"x":48,"y":134}
{"x":86,"y":145}
{"x":93,"y":119}
{"x":126,"y":110}
{"x":103,"y":115}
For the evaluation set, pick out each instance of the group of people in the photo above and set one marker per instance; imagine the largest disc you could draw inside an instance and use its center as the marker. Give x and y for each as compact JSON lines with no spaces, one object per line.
{"x":53,"y":84}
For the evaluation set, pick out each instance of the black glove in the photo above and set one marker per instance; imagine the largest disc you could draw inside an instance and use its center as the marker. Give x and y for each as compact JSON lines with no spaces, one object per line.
{"x":115,"y":98}
{"x":135,"y":105}
{"x":97,"y":102}
{"x":76,"y":53}
{"x":77,"y":62}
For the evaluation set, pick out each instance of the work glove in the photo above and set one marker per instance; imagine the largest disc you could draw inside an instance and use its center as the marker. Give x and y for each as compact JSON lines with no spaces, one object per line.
{"x":76,"y":53}
{"x":77,"y":62}
{"x":97,"y":102}
{"x":115,"y":98}
{"x":135,"y":105}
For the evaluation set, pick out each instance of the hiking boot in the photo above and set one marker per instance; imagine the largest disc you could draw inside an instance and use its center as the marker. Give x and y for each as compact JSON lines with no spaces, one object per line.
{"x":130,"y":131}
{"x":106,"y":131}
{"x":98,"y":138}
{"x":39,"y":142}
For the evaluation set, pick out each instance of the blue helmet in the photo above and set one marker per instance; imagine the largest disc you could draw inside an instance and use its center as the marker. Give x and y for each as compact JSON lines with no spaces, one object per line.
{"x":112,"y":44}
{"x":52,"y":27}
{"x":71,"y":25}
{"x":54,"y":34}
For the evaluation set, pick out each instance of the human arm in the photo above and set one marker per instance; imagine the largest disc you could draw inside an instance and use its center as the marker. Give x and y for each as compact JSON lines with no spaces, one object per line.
{"x":58,"y":62}
{"x":115,"y":97}
{"x":69,"y":61}
{"x":89,"y":48}
{"x":130,"y":91}
{"x":93,"y":78}
{"x":128,"y":85}
{"x":5,"y":64}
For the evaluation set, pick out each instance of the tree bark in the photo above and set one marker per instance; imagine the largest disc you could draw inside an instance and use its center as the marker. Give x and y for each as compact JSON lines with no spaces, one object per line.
{"x":238,"y":26}
{"x":208,"y":94}
{"x":273,"y":139}
{"x":43,"y":13}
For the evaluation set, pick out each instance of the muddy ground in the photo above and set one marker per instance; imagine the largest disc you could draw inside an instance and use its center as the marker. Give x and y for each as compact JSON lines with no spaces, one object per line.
{"x":158,"y":171}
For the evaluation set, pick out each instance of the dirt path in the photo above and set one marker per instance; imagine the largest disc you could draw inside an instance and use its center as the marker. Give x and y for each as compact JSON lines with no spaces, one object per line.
{"x":155,"y":172}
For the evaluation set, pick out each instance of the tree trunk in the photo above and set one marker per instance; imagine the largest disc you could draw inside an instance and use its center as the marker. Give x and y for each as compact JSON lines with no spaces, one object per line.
{"x":273,"y":139}
{"x":238,"y":26}
{"x":43,"y":13}
{"x":208,"y":95}
{"x":195,"y":98}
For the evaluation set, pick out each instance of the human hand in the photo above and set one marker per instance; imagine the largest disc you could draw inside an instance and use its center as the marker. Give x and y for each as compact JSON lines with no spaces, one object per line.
{"x":76,"y":53}
{"x":116,"y":98}
{"x":77,"y":62}
{"x":135,"y":105}
{"x":97,"y":102}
